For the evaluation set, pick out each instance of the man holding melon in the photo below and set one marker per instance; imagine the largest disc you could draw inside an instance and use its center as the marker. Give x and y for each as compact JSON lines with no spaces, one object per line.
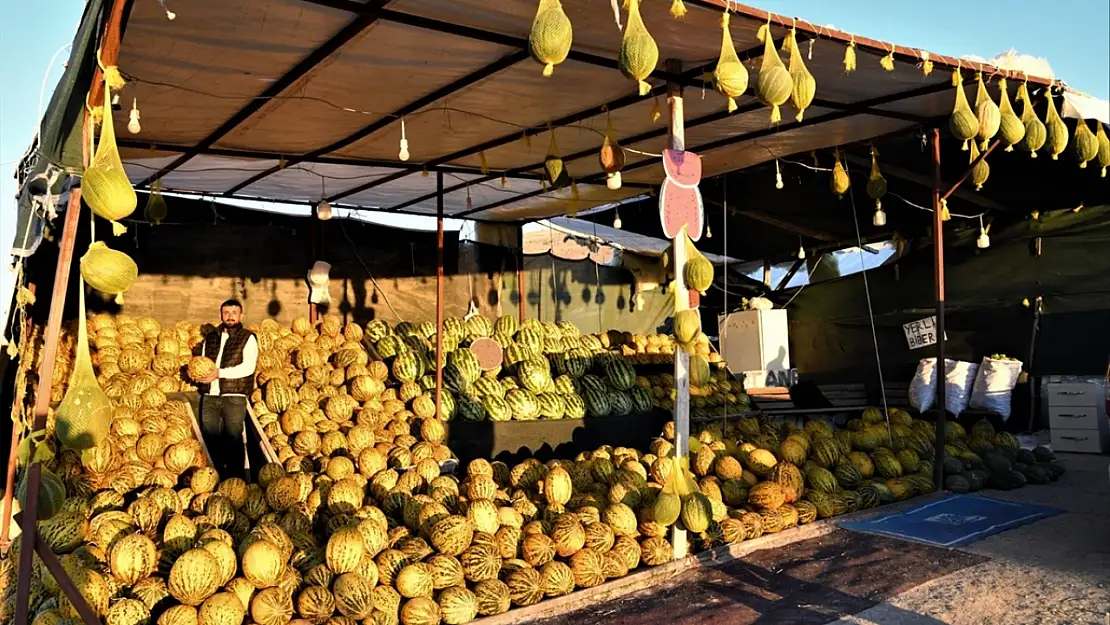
{"x":224,"y":374}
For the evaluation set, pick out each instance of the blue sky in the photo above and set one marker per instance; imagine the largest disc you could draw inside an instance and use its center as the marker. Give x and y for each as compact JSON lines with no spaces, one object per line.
{"x":1074,"y":35}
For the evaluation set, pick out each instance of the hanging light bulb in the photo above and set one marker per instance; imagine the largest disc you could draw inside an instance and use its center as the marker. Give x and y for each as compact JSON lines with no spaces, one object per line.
{"x":469,"y":200}
{"x":778,"y":175}
{"x":403,"y":154}
{"x":984,"y":240}
{"x":133,"y":126}
{"x":708,"y":232}
{"x":617,"y":219}
{"x":879,"y":219}
{"x":323,"y":209}
{"x":613,"y":180}
{"x":801,"y":251}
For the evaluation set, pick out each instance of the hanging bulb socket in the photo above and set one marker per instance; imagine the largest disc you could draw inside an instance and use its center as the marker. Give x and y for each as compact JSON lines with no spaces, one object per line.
{"x":133,"y":125}
{"x":879,"y":219}
{"x":778,"y":176}
{"x":617,"y":220}
{"x":469,"y":200}
{"x":323,"y":210}
{"x":613,"y":180}
{"x":984,"y":240}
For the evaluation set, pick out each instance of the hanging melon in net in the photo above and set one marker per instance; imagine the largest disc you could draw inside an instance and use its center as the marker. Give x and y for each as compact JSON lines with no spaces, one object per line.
{"x":105,"y":186}
{"x":551,"y":35}
{"x":109,"y":271}
{"x":730,"y":77}
{"x":85,"y":414}
{"x":156,"y":209}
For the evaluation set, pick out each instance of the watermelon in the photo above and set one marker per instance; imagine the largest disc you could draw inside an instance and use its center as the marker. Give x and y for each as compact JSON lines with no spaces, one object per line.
{"x":531,"y":340}
{"x":497,"y":408}
{"x":575,"y":407}
{"x":620,"y":403}
{"x":564,"y":385}
{"x":468,"y":408}
{"x":552,"y":406}
{"x":467,"y":363}
{"x":534,"y":374}
{"x":524,"y":405}
{"x":597,"y":403}
{"x":641,"y":400}
{"x":1043,"y":454}
{"x":454,"y":379}
{"x":620,"y":374}
{"x":407,"y":367}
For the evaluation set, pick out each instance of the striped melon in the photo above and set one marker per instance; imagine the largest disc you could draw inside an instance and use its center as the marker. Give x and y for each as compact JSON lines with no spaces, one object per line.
{"x":194,"y":577}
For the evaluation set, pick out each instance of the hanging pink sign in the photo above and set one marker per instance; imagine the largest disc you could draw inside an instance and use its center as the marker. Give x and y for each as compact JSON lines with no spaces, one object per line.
{"x":679,"y":199}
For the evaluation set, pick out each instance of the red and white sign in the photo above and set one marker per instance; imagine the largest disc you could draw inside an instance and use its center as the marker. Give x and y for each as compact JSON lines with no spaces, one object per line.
{"x":679,"y":199}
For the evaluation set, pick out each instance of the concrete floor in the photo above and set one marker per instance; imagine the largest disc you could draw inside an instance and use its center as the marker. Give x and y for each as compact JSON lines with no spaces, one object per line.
{"x":1053,"y":572}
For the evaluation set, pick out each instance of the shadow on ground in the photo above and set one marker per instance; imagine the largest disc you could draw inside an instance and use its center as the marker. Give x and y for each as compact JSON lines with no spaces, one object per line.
{"x":810,"y":582}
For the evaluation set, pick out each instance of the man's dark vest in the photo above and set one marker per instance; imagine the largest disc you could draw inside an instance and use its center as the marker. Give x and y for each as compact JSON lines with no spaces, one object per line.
{"x":233,"y":355}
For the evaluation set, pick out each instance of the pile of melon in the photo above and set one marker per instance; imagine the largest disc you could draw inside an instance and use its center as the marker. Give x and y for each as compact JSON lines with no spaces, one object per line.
{"x":357,"y":523}
{"x":378,"y":535}
{"x":130,"y":355}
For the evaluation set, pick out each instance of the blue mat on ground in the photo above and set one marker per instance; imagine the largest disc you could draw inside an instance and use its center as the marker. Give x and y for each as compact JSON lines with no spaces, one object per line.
{"x":954,"y":521}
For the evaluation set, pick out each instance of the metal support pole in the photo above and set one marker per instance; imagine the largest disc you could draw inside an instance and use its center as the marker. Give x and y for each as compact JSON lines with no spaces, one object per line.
{"x":938,"y":268}
{"x":17,"y":426}
{"x":676,"y":140}
{"x":42,"y":402}
{"x":439,"y":294}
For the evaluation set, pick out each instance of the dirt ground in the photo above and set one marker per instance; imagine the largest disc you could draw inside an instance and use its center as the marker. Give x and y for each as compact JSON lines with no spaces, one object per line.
{"x":1053,"y":572}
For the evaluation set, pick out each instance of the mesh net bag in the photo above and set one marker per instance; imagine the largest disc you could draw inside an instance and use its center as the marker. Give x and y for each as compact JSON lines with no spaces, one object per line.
{"x":85,"y":414}
{"x":105,"y":186}
{"x":156,"y":209}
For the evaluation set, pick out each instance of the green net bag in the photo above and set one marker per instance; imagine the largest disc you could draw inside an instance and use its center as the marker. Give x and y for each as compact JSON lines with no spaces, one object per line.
{"x":105,"y":186}
{"x":85,"y":414}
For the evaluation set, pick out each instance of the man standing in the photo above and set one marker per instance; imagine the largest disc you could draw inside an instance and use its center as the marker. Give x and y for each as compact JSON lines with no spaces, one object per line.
{"x":224,"y":393}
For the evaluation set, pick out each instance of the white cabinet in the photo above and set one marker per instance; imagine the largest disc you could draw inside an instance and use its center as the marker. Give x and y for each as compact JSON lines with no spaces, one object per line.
{"x":1077,"y":416}
{"x":755,"y":341}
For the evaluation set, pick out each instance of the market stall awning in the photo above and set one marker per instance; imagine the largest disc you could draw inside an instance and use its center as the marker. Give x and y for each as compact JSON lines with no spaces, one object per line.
{"x":577,"y":239}
{"x":299,"y":100}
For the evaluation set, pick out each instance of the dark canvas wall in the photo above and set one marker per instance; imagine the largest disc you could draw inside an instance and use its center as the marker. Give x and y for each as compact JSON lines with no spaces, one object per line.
{"x":831,"y":334}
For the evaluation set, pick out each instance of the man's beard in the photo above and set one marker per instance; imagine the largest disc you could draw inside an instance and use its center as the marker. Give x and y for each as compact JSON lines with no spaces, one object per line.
{"x":231,"y":324}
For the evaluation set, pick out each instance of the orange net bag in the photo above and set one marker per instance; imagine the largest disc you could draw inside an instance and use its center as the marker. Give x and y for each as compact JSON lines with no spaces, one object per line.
{"x":85,"y":414}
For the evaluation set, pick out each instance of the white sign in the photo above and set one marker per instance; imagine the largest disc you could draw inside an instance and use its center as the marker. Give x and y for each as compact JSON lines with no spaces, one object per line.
{"x":770,"y":379}
{"x":922,"y":333}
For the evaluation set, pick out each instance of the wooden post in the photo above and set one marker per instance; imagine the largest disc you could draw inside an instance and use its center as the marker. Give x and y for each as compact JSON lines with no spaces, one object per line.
{"x":767,"y":272}
{"x":17,"y":426}
{"x":676,"y":140}
{"x":938,"y":268}
{"x":42,"y":403}
{"x":314,"y":246}
{"x":439,"y":294}
{"x":520,"y":290}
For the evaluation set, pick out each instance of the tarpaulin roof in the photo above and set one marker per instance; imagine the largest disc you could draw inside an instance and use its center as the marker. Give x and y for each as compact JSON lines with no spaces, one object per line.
{"x":294,"y":100}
